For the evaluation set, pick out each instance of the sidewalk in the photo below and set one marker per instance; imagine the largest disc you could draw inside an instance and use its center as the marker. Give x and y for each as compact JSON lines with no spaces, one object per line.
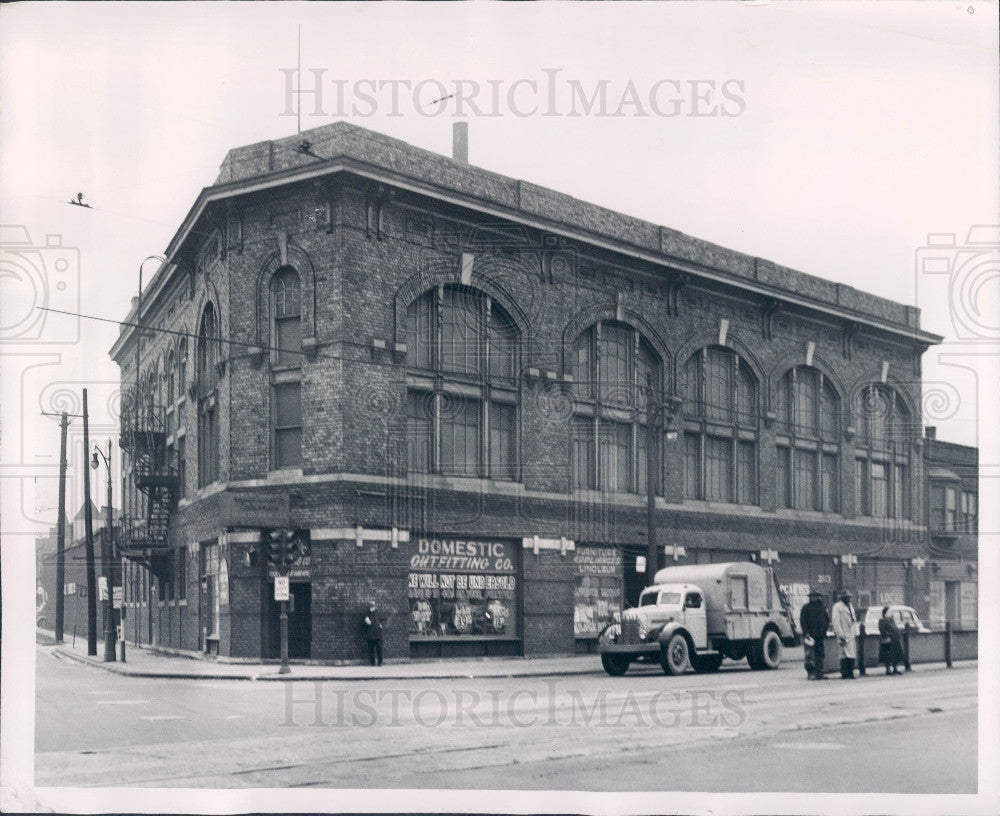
{"x":144,"y":662}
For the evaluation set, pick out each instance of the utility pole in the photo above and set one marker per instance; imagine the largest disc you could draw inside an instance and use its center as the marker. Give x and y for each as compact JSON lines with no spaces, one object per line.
{"x":107,"y":560}
{"x":61,"y":532}
{"x":661,"y":417}
{"x":89,"y":527}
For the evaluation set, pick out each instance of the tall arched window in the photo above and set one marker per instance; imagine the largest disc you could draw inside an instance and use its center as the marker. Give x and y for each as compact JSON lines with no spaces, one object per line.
{"x":721,"y":420}
{"x":808,"y":438}
{"x":170,"y":369}
{"x":170,"y":375}
{"x":207,"y":377}
{"x":615,"y":370}
{"x":286,"y":369}
{"x":207,"y":373}
{"x":182,"y":359}
{"x":286,"y":311}
{"x":463,"y":356}
{"x":882,"y":453}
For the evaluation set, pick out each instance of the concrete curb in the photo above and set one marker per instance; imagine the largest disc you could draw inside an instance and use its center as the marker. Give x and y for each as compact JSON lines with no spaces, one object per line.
{"x":114,"y":668}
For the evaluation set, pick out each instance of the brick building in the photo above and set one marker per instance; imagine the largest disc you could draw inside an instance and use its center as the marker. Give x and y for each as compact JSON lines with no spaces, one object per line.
{"x":447,"y":381}
{"x":74,"y":588}
{"x":953,"y":491}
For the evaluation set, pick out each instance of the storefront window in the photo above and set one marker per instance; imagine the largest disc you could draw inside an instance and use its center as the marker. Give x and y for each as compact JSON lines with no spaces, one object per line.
{"x":463,"y":588}
{"x":597,"y":597}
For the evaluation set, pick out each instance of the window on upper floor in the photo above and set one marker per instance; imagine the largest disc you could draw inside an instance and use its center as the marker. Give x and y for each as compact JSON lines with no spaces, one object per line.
{"x":882,"y":473}
{"x":721,"y":420}
{"x":807,"y":433}
{"x":287,"y":425}
{"x":615,"y":373}
{"x":286,"y":311}
{"x":207,"y":376}
{"x":207,"y":362}
{"x":463,"y":357}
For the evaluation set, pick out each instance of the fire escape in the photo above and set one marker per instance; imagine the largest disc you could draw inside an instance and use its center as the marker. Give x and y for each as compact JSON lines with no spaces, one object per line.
{"x":155,"y":476}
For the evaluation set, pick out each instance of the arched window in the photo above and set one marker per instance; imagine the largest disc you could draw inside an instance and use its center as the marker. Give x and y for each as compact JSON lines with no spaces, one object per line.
{"x":170,"y":375}
{"x":882,"y":453}
{"x":721,"y":420}
{"x":463,"y":355}
{"x":207,"y":373}
{"x":286,"y":375}
{"x":170,"y":369}
{"x":615,"y":371}
{"x":207,"y":376}
{"x":286,"y":311}
{"x":182,"y":358}
{"x":808,"y":438}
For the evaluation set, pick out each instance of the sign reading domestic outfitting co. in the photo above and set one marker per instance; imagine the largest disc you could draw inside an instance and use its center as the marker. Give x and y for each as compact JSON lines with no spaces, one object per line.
{"x":461,"y":555}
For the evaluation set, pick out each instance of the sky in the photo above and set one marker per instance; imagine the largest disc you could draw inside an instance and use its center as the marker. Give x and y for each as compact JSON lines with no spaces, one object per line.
{"x":841,"y":139}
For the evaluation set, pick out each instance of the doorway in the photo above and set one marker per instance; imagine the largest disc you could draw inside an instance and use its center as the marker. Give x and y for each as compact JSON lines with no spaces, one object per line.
{"x":299,"y":622}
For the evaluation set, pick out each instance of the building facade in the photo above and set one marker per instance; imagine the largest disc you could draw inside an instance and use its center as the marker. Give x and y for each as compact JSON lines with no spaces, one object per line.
{"x":458,"y":389}
{"x":953,"y":495}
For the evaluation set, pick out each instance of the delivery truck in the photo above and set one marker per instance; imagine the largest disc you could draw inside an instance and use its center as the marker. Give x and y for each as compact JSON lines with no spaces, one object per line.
{"x":695,"y":616}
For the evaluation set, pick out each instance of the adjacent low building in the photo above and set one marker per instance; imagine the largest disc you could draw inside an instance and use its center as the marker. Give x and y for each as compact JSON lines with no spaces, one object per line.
{"x":458,"y":390}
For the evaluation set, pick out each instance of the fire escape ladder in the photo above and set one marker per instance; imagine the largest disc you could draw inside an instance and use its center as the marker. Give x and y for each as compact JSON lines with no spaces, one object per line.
{"x":155,"y":475}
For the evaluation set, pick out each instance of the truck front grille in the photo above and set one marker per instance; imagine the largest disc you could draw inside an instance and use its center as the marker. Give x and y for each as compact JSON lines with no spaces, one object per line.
{"x":630,"y":631}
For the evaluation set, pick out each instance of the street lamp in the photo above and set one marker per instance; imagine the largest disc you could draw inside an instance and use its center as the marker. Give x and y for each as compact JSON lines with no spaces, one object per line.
{"x":107,"y":559}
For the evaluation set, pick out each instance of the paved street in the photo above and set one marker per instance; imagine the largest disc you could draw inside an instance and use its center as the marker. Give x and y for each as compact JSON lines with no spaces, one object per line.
{"x":735,"y":730}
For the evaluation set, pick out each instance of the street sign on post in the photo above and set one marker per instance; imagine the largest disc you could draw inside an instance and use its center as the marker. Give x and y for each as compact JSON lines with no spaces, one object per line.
{"x":281,"y":588}
{"x":102,"y":586}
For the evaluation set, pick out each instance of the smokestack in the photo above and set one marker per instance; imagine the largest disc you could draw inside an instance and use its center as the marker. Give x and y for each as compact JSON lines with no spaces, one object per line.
{"x":460,"y":142}
{"x":930,"y":432}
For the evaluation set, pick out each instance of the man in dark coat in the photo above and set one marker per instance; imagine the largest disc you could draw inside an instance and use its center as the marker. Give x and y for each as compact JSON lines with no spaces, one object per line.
{"x":890,"y":647}
{"x":814,"y":621}
{"x":372,"y":626}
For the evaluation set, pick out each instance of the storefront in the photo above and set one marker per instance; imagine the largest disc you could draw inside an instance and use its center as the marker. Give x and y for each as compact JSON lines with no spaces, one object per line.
{"x":464,"y":596}
{"x":597,"y":592}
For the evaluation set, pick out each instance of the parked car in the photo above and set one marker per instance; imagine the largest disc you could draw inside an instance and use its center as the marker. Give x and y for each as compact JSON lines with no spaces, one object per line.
{"x":903,"y":615}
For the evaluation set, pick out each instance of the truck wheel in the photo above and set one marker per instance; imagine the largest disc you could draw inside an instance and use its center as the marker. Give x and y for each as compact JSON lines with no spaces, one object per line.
{"x":615,"y":664}
{"x":674,"y":657}
{"x":705,"y":664}
{"x":766,"y":652}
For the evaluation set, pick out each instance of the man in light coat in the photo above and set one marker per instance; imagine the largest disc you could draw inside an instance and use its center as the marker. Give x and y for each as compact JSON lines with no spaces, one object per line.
{"x":844,"y":620}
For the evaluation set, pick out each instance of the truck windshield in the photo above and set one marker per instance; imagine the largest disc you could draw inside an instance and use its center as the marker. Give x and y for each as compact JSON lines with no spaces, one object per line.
{"x":661,"y":598}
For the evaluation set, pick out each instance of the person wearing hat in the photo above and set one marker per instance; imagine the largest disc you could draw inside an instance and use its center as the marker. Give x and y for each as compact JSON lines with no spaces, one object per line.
{"x":814,"y":621}
{"x":844,"y":622}
{"x":373,"y":626}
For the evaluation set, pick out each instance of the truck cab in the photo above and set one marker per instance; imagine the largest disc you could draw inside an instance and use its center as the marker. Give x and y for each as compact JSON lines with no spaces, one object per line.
{"x":671,"y":603}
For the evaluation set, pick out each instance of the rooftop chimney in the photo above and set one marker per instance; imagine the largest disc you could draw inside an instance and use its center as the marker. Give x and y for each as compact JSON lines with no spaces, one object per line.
{"x":930,"y":432}
{"x":460,"y":142}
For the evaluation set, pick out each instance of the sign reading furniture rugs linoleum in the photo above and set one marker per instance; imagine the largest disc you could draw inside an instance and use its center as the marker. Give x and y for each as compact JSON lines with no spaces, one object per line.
{"x":598,"y":592}
{"x":463,"y":588}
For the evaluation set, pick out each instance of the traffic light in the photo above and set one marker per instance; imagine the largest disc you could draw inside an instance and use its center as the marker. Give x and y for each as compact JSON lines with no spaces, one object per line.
{"x":283,"y":547}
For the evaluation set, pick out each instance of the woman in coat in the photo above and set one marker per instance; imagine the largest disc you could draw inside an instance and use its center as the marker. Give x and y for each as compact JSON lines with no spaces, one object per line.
{"x":843,"y":620}
{"x":890,"y":647}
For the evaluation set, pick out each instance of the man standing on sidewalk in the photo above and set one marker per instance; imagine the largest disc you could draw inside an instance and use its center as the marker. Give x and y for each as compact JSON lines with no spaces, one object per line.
{"x":844,"y":621}
{"x":814,"y":621}
{"x":373,"y":634}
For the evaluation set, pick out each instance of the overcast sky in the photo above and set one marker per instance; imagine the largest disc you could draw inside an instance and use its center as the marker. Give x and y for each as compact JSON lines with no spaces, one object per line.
{"x":832,"y":138}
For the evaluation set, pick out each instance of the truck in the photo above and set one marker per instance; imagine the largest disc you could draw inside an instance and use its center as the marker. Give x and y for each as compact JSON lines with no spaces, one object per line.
{"x":695,"y":616}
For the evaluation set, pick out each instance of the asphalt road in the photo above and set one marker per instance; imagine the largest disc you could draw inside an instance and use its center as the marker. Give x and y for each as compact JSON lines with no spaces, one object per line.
{"x":737,"y":730}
